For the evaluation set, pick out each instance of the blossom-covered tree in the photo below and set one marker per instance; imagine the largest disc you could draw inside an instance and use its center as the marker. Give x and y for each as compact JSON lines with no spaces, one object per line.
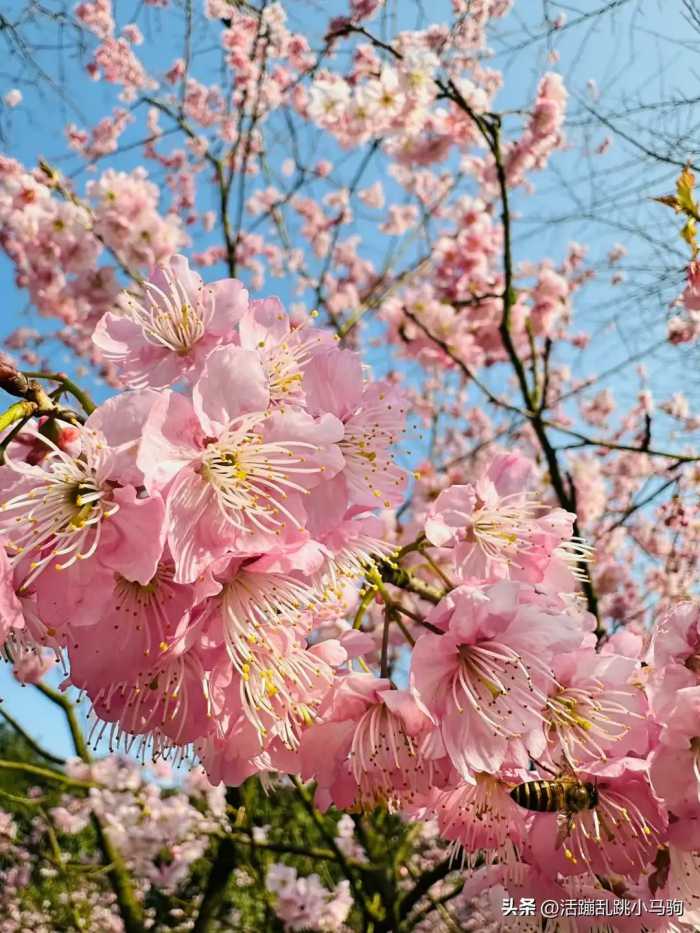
{"x":382,"y":610}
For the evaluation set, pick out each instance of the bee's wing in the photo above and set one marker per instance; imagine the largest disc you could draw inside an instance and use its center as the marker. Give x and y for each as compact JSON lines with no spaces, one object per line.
{"x":605,"y":826}
{"x":544,"y":767}
{"x":565,"y":825}
{"x":567,"y":763}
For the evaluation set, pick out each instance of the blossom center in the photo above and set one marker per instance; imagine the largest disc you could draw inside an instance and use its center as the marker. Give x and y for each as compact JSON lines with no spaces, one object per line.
{"x":587,"y":722}
{"x":385,"y":760}
{"x":255,"y":604}
{"x":277,"y":689}
{"x":262,"y":616}
{"x":505,"y":527}
{"x":481,"y":819}
{"x":60,"y":514}
{"x":85,"y":497}
{"x":252,"y":478}
{"x":492,"y":682}
{"x":615,"y":823}
{"x":284,"y":368}
{"x":168,"y":317}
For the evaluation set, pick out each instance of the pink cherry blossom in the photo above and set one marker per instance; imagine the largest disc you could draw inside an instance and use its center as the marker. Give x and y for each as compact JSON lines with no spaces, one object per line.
{"x":498,"y":529}
{"x":598,"y":708}
{"x":371,"y":735}
{"x":68,"y":509}
{"x":13,"y":98}
{"x":480,"y":816}
{"x":485,"y":680}
{"x":167,"y":333}
{"x":235,"y":477}
{"x":304,"y":903}
{"x":336,"y":536}
{"x":620,"y":835}
{"x":675,"y":761}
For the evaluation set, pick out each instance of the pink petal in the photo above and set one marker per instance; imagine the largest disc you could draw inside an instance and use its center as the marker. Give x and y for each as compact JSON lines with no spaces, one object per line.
{"x":357,"y":643}
{"x":266,"y":323}
{"x":333,"y":382}
{"x":323,"y":433}
{"x":450,"y":513}
{"x":198,"y":533}
{"x":233,"y":383}
{"x":121,"y":420}
{"x":133,"y":539}
{"x":511,"y":473}
{"x":331,"y":651}
{"x":404,"y":705}
{"x":11,"y":616}
{"x":77,"y":595}
{"x":172,"y":438}
{"x":230,"y":304}
{"x":325,"y":506}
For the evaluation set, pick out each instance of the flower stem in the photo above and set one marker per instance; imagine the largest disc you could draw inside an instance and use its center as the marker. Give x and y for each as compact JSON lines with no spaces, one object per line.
{"x":79,"y":394}
{"x":16,"y":412}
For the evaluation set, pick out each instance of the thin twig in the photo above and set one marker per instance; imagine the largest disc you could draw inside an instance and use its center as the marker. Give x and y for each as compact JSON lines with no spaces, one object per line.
{"x":31,"y":742}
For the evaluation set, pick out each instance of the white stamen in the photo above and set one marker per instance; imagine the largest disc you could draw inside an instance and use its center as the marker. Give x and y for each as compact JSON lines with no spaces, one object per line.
{"x":169,"y":318}
{"x":61,"y":514}
{"x":251,"y":477}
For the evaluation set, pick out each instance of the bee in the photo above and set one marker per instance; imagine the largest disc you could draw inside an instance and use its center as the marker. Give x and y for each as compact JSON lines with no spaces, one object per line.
{"x":565,"y":795}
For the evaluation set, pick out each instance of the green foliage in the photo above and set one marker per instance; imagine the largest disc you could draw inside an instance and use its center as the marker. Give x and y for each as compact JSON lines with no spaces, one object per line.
{"x":225,"y":889}
{"x":29,"y":799}
{"x":684,"y":202}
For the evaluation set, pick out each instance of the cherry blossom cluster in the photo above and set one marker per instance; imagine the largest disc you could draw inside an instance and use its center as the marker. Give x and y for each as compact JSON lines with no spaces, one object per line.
{"x":204,"y":531}
{"x":218,"y":536}
{"x":160,"y":831}
{"x":159,"y":835}
{"x":226,"y":557}
{"x":458,"y":302}
{"x":304,"y":903}
{"x":396,"y":100}
{"x":58,"y":244}
{"x":506,"y":686}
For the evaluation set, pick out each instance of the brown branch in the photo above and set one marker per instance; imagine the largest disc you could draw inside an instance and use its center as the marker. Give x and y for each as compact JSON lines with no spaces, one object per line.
{"x":312,"y":852}
{"x":255,"y":116}
{"x":347,"y":870}
{"x":640,"y":505}
{"x":633,"y":141}
{"x":535,"y":416}
{"x":217,"y":882}
{"x":67,"y":385}
{"x":224,"y":186}
{"x":375,"y":297}
{"x":355,"y":181}
{"x":404,"y":580}
{"x":37,"y":401}
{"x":423,"y":885}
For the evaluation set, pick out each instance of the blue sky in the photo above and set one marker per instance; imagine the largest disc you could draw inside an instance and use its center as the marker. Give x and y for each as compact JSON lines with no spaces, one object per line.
{"x":633,"y":57}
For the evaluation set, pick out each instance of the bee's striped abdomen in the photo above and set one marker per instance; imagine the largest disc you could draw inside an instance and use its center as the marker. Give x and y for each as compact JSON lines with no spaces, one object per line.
{"x":543,"y":796}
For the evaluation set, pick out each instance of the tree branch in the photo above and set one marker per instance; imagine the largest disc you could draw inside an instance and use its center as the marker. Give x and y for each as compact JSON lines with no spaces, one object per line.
{"x":423,"y":885}
{"x":31,"y":742}
{"x":46,"y":774}
{"x":130,"y":909}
